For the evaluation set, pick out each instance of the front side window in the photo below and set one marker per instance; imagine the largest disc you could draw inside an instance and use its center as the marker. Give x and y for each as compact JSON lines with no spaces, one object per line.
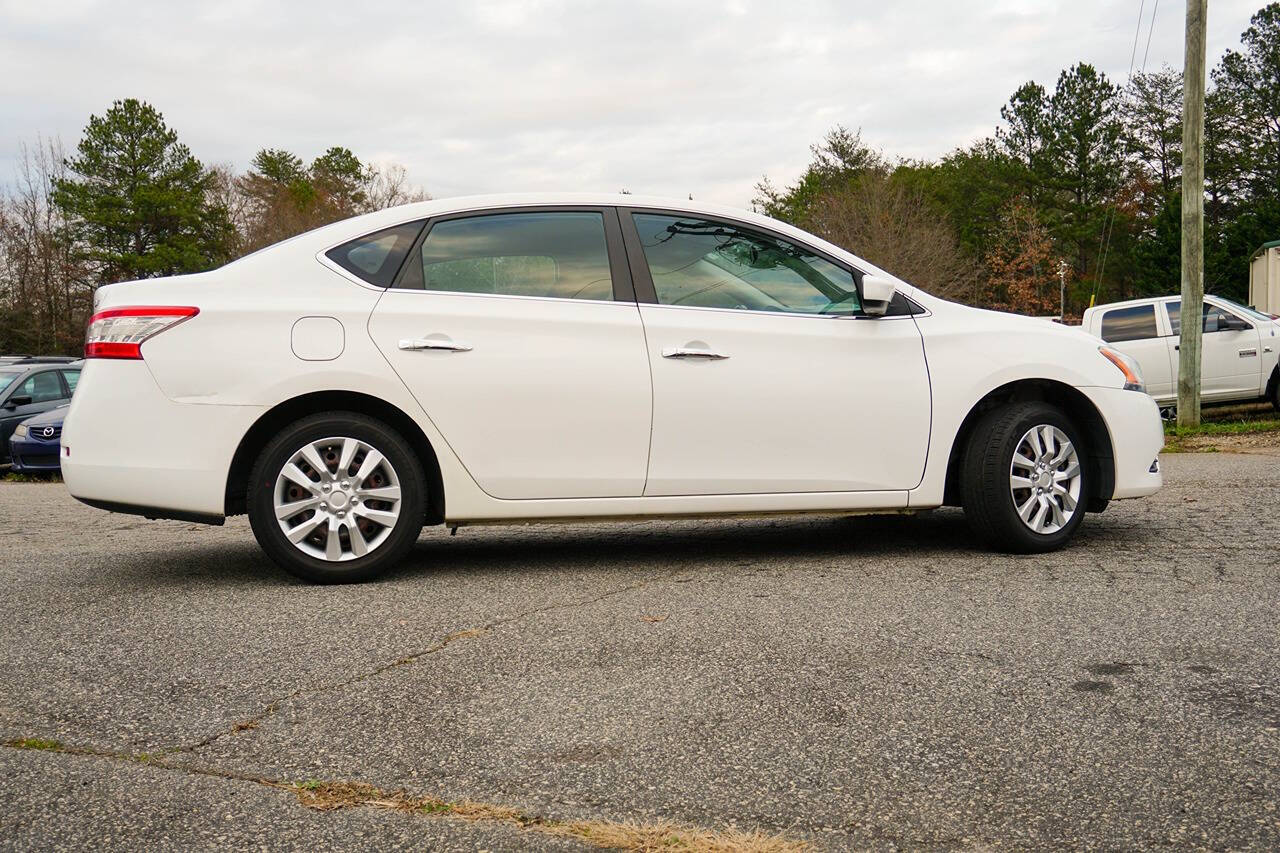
{"x":560,"y":254}
{"x":377,"y":257}
{"x":42,"y":387}
{"x":7,"y":378}
{"x":1214,"y":318}
{"x":701,"y":263}
{"x":1129,"y":324}
{"x":71,"y":377}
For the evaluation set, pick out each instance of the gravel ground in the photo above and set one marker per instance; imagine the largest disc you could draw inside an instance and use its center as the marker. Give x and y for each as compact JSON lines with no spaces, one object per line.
{"x":852,"y":683}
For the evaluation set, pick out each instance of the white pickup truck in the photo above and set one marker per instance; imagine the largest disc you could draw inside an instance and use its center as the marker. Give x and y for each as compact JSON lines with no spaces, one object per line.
{"x":1240,"y":349}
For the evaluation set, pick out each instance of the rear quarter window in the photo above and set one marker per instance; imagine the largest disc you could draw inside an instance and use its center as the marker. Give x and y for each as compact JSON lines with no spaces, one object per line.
{"x":1129,"y":324}
{"x":377,"y":257}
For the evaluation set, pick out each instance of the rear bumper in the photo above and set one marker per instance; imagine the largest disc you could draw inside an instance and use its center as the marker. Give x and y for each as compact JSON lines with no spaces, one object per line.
{"x":1137,"y":437}
{"x":129,"y":448}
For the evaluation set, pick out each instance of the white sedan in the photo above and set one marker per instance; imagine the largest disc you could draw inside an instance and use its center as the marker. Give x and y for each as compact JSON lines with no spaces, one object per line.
{"x":510,"y":359}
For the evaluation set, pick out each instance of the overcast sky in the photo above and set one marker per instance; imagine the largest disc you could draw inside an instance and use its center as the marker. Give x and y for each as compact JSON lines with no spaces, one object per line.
{"x":668,"y":98}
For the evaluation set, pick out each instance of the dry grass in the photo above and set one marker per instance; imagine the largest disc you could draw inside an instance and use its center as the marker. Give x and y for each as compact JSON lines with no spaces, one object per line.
{"x":610,"y":835}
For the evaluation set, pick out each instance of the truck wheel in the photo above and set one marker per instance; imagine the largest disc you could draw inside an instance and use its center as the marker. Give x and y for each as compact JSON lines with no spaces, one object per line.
{"x":337,"y":498}
{"x":1024,"y":481}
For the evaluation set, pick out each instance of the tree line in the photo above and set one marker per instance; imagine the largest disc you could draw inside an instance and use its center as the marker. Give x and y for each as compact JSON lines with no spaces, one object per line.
{"x":1081,"y":180}
{"x":133,"y":202}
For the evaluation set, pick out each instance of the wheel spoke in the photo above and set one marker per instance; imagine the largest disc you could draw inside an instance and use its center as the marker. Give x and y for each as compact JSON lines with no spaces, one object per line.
{"x":1068,"y":474}
{"x":289,"y":510}
{"x":386,"y":519}
{"x":1067,"y":500}
{"x":372,"y":460}
{"x":1058,"y":518}
{"x":294,"y":474}
{"x":312,"y":456}
{"x":358,"y":545}
{"x":1021,"y":461}
{"x":333,"y":545}
{"x":1024,"y":511}
{"x":1016,"y":482}
{"x":1037,"y":521}
{"x":349,"y":448}
{"x":1048,"y":439}
{"x":305,"y":529}
{"x":383,"y":493}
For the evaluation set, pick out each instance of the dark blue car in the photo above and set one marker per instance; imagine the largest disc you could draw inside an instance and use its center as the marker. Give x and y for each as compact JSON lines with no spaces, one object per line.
{"x":36,"y":442}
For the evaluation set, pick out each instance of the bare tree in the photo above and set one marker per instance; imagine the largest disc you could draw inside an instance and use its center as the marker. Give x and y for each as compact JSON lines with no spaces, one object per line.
{"x":895,"y":228}
{"x":44,"y":293}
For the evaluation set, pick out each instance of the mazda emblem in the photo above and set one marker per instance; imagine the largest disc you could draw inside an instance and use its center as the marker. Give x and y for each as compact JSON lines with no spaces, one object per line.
{"x":47,"y":432}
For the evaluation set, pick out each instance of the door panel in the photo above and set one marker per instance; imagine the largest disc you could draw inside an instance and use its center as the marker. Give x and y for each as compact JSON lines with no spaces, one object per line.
{"x":1230,"y":361}
{"x":551,"y":400}
{"x":794,"y":403}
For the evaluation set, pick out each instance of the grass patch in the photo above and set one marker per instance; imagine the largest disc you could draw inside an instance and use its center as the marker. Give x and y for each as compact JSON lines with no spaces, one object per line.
{"x":1232,"y":427}
{"x":15,"y":477}
{"x":612,"y":835}
{"x":37,"y":743}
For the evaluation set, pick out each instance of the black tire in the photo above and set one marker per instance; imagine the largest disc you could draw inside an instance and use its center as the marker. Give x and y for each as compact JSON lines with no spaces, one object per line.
{"x":261,"y":498}
{"x":1275,"y":389}
{"x":985,"y":485}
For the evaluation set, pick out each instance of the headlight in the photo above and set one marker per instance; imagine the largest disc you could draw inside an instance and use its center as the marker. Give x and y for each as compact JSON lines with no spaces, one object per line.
{"x":1128,"y":366}
{"x":20,"y":431}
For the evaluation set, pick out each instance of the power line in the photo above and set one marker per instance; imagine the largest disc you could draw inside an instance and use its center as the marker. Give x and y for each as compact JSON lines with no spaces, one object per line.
{"x":1150,"y":30}
{"x":1109,"y":220}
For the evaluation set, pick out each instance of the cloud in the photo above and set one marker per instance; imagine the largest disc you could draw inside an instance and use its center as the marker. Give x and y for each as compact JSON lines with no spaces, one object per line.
{"x":657,"y":97}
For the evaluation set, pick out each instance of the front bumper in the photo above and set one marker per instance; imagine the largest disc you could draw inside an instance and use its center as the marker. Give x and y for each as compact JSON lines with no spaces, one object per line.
{"x":1137,"y":437}
{"x":29,"y":457}
{"x":127,"y":446}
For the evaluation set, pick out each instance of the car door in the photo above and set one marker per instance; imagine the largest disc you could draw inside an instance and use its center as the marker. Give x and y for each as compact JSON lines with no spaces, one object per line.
{"x":767,"y":377}
{"x":1230,"y":356}
{"x":38,"y":392}
{"x":517,"y":331}
{"x":1138,"y":331}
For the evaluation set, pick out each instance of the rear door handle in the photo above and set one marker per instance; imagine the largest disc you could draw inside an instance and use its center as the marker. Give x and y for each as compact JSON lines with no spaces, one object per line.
{"x":429,"y":343}
{"x":689,"y":352}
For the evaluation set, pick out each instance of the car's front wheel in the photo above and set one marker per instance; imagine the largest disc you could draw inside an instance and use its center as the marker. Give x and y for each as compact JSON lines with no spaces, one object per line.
{"x":337,"y":498}
{"x":1024,"y":480}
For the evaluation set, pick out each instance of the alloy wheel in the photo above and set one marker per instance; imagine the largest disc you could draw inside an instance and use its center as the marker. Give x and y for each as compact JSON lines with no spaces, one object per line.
{"x":337,"y":498}
{"x":1045,"y":479}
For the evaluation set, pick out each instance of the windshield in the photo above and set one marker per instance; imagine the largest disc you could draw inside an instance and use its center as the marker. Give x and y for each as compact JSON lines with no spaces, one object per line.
{"x":1243,"y":309}
{"x":7,"y":377}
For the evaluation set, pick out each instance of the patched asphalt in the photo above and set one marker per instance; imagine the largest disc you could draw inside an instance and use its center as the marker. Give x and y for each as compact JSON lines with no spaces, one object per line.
{"x":851,"y":682}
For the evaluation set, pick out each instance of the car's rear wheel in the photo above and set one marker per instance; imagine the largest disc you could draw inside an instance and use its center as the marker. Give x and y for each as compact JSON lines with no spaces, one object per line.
{"x":1024,"y":480}
{"x":337,"y":498}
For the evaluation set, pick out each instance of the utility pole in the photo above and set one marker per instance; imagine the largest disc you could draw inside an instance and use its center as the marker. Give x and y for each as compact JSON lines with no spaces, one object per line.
{"x":1062,"y":292}
{"x":1192,"y":216}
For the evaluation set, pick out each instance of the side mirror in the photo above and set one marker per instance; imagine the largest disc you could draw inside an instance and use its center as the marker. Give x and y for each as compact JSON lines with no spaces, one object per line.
{"x":18,"y":400}
{"x":877,"y":293}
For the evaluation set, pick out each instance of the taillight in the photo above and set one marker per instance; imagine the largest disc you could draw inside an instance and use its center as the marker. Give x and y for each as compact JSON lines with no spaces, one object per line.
{"x":119,"y":332}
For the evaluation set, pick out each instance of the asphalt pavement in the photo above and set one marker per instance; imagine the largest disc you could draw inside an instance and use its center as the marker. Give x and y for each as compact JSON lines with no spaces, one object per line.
{"x":845,"y":683}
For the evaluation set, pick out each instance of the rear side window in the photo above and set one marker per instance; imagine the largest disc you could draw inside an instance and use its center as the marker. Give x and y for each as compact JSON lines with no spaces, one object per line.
{"x":377,"y":257}
{"x":1129,"y":324}
{"x":560,"y":254}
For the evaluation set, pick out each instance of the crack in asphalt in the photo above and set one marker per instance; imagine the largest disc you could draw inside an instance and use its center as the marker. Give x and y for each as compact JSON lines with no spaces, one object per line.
{"x":273,"y":707}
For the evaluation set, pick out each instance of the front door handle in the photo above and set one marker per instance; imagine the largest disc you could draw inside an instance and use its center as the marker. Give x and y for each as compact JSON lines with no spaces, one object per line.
{"x":690,"y":352}
{"x":430,"y":343}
